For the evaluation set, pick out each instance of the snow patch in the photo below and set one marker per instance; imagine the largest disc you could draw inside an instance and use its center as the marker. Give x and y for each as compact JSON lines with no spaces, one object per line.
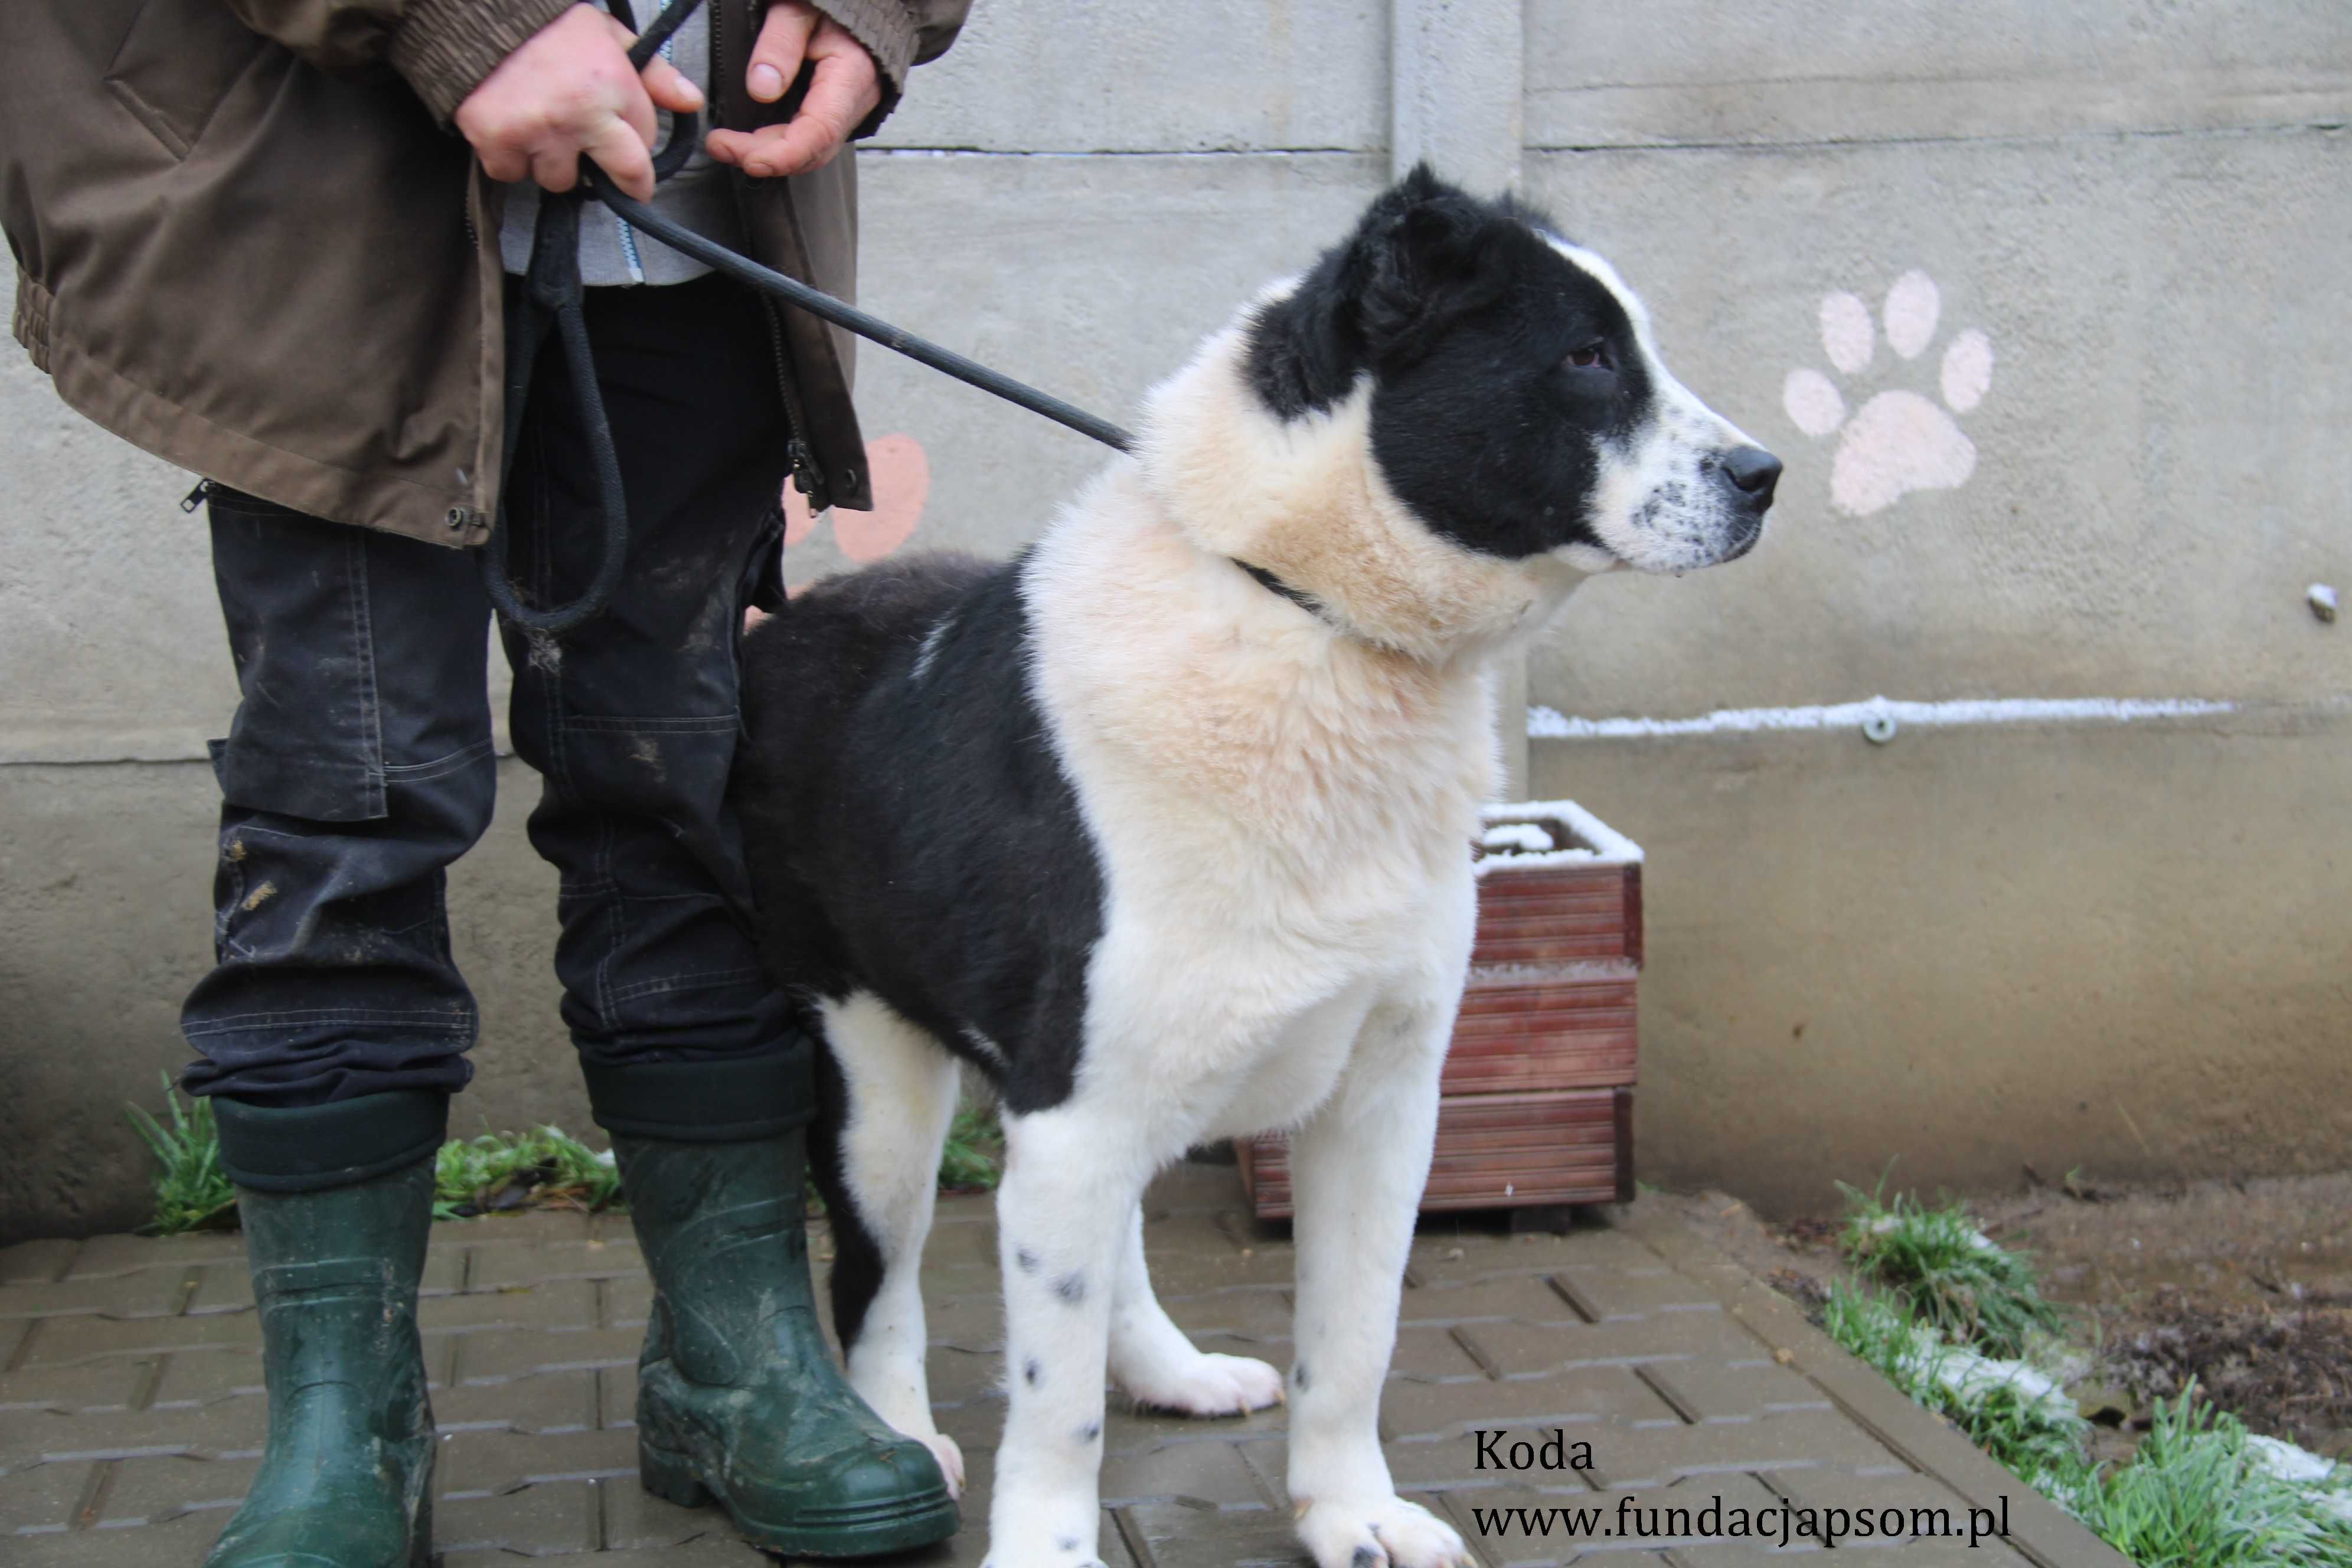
{"x":1550,"y":724}
{"x":1526,"y":836}
{"x":1601,"y":843}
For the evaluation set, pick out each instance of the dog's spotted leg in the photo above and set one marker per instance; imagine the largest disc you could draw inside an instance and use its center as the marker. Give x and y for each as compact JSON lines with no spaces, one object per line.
{"x":1073,"y":1180}
{"x":1154,"y":1364}
{"x":899,"y":1089}
{"x":1358,"y":1168}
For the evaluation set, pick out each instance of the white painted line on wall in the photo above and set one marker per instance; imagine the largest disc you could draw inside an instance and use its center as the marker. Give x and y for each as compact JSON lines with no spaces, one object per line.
{"x":1550,"y":724}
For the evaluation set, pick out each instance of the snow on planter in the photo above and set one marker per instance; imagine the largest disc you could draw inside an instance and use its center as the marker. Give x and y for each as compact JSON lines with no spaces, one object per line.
{"x":1537,"y":1094}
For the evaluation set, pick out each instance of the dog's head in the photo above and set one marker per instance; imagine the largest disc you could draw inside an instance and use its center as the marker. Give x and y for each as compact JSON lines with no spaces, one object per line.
{"x":1518,"y":407}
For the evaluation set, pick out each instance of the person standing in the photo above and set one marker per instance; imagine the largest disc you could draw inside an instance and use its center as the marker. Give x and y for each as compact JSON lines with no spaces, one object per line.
{"x":272,"y":241}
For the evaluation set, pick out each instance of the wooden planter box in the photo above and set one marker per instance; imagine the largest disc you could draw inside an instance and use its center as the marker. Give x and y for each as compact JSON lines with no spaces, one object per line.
{"x":1537,"y":1090}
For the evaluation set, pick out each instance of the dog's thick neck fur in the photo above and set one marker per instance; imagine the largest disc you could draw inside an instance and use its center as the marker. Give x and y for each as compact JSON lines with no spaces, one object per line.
{"x":1305,"y":499}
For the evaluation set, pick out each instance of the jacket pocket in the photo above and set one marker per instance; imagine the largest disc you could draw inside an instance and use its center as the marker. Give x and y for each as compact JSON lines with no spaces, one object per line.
{"x":176,"y":64}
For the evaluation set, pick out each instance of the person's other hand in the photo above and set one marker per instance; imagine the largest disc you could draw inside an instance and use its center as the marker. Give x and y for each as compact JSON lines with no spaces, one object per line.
{"x":570,"y":90}
{"x":846,"y":88}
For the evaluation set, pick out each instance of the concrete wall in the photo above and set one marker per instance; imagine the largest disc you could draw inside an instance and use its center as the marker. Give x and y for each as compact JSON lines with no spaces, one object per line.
{"x":2114,"y":943}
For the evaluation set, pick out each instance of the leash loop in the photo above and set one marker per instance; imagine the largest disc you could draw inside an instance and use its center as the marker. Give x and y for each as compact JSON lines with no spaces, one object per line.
{"x":552,"y":300}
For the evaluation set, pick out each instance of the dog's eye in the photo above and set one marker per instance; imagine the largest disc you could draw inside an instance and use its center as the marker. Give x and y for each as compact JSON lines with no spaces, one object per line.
{"x":1588,"y":356}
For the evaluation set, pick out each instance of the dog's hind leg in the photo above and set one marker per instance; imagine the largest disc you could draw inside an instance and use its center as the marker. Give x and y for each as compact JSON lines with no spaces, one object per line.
{"x":1154,"y":1364}
{"x":897,"y":1093}
{"x":1357,"y":1167}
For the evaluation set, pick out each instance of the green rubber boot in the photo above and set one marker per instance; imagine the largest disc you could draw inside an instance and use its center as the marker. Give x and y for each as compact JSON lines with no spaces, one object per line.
{"x":347,"y":1467}
{"x":738,"y":1396}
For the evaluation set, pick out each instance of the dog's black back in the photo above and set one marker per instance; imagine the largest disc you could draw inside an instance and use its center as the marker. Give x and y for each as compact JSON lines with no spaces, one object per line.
{"x":896,"y":777}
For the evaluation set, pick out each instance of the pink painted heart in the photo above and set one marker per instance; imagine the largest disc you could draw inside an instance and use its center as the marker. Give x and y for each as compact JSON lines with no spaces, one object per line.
{"x":902,"y":483}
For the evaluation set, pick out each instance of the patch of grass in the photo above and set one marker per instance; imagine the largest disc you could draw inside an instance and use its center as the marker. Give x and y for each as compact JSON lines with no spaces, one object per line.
{"x":2195,"y":1496}
{"x":2037,"y":1437}
{"x":192,"y":1191}
{"x":973,"y":1160}
{"x":1946,"y":1273}
{"x":544,"y":1168}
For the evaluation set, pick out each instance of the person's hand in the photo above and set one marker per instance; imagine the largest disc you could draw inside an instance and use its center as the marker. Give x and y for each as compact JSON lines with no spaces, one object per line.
{"x":846,"y":88}
{"x":570,"y":90}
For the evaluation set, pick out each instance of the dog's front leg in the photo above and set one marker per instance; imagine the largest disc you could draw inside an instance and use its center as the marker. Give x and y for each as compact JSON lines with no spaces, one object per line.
{"x":1071,"y":1180}
{"x":1357,"y":1167}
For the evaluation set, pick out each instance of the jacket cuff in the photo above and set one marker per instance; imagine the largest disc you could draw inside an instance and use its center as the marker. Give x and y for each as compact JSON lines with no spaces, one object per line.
{"x":445,"y":47}
{"x":888,"y":35}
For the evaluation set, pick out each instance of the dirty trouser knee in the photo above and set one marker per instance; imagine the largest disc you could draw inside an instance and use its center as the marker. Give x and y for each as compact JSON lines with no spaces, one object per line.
{"x":358,"y":767}
{"x":631,"y":719}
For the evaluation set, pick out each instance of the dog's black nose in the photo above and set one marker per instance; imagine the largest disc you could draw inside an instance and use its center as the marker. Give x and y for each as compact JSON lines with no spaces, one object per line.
{"x":1755,"y":471}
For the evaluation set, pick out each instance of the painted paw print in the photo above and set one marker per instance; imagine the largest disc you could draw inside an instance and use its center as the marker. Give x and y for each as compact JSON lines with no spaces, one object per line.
{"x":902,"y":483}
{"x":1899,"y":441}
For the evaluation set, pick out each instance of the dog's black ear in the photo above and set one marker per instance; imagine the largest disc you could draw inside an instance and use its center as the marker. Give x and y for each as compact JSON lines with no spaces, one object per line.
{"x":1418,"y":255}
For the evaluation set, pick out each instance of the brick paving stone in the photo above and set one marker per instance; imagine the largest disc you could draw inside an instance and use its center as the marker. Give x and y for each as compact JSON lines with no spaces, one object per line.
{"x":1949,"y":1554}
{"x":1209,"y":1472}
{"x":1522,"y":1298}
{"x":1738,"y":1554}
{"x":496,"y":1265}
{"x":529,"y":1225}
{"x":625,"y":1303}
{"x":151,"y":1293}
{"x":485,"y":1464}
{"x":42,"y":1498}
{"x":46,"y":1438}
{"x":636,"y":1520}
{"x":1263,"y":1267}
{"x":719,"y":1548}
{"x":1616,"y":1337}
{"x":153,"y":1490}
{"x":92,"y":1386}
{"x":1263,"y":1316}
{"x":1538,"y":1536}
{"x":109,"y":1256}
{"x":551,"y":1401}
{"x":616,"y":1395}
{"x":36,"y":1262}
{"x":1587,"y":1397}
{"x":184,"y":1539}
{"x":1530,"y":1350}
{"x":493,"y":1355}
{"x":536,"y":1521}
{"x":62,"y":1342}
{"x":1832,"y":1489}
{"x":559,"y":1304}
{"x":1715,"y":1391}
{"x":967,"y":1322}
{"x":1655,"y":1455}
{"x":1188,"y":1535}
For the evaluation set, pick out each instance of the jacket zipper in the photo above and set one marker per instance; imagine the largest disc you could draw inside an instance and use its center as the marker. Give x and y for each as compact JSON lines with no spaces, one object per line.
{"x":195,"y":498}
{"x":806,"y":476}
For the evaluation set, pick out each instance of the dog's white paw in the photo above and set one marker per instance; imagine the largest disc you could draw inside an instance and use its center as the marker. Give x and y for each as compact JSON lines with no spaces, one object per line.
{"x":950,"y":1457}
{"x":1205,"y":1384}
{"x":1042,"y":1549}
{"x":1382,"y":1532}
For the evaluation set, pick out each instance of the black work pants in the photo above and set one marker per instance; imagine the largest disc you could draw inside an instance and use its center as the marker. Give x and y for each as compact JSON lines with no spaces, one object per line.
{"x":360,"y":762}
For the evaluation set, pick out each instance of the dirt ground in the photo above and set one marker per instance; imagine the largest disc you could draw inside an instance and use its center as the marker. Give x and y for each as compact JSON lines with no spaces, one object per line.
{"x":2245,"y":1286}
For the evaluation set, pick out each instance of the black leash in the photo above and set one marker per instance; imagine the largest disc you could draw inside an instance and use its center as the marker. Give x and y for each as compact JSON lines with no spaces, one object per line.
{"x":552,"y":300}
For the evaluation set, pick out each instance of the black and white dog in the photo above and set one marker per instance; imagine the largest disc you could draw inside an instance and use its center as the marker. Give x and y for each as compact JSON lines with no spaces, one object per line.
{"x":1164,"y":827}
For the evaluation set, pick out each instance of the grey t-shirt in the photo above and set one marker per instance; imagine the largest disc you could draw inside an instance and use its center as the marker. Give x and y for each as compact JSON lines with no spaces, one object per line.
{"x":611,"y":251}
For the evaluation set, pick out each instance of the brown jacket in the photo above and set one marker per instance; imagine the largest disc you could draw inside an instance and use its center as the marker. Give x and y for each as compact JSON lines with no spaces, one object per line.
{"x":248,"y":241}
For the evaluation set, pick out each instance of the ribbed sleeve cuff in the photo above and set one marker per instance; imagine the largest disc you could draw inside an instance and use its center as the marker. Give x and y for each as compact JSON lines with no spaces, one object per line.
{"x":888,"y":35}
{"x":445,"y":47}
